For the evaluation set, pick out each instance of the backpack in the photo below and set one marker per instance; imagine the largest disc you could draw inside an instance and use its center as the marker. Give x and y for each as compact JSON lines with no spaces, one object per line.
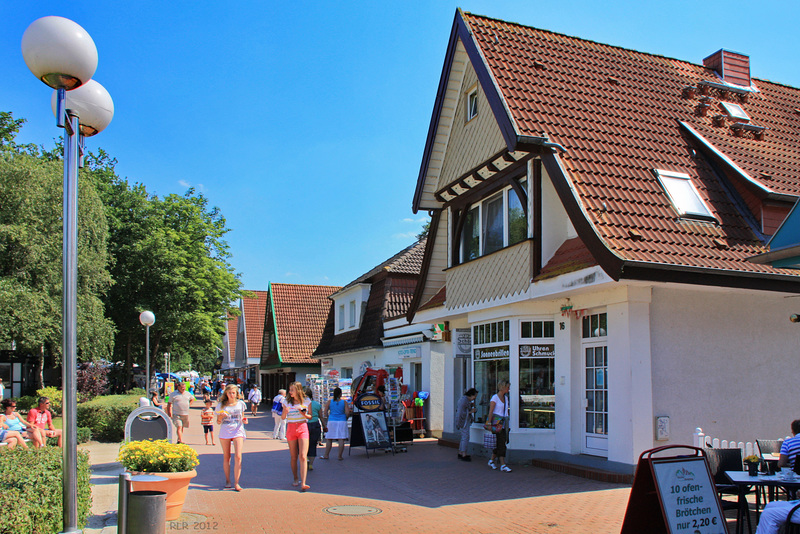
{"x":277,"y":407}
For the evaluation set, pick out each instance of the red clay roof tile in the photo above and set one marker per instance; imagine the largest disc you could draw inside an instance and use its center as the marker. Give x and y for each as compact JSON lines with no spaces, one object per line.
{"x":300,"y":315}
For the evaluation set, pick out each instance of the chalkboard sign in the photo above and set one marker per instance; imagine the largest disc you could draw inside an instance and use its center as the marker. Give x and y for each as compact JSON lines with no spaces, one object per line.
{"x":674,"y":495}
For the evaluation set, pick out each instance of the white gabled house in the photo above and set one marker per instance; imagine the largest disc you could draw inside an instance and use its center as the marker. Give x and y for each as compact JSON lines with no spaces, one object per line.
{"x":593,"y":209}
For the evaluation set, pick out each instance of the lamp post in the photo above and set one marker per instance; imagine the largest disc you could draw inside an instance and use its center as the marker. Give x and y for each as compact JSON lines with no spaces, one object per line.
{"x":147,"y":318}
{"x":62,"y":55}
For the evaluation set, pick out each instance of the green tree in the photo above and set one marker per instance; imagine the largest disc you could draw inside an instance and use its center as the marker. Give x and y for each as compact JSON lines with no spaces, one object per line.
{"x":31,"y":192}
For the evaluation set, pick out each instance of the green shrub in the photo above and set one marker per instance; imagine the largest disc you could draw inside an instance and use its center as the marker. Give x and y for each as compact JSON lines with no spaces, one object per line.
{"x":105,"y":416}
{"x":24,"y":404}
{"x":84,"y":434}
{"x":30,"y":483}
{"x":137,"y":392}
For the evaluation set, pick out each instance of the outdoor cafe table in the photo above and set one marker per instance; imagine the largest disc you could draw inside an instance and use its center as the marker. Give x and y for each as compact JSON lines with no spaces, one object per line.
{"x":743,"y":480}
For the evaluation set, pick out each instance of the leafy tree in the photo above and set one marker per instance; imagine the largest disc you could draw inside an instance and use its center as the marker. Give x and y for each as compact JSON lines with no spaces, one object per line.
{"x":31,"y":256}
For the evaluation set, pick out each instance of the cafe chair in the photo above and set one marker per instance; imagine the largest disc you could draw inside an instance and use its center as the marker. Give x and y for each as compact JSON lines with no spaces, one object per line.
{"x":769,"y":446}
{"x":719,"y":461}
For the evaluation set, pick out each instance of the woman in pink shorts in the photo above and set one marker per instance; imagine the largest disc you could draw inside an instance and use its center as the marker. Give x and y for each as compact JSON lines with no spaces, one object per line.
{"x":296,"y":413}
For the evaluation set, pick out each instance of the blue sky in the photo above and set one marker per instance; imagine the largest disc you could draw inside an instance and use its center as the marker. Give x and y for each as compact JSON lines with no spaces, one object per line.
{"x":305,"y":121}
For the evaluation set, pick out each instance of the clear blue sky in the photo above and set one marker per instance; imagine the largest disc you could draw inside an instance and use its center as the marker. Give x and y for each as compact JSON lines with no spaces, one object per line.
{"x":305,"y":121}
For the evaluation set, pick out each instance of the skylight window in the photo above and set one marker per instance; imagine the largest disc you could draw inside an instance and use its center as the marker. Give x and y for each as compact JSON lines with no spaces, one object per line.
{"x":683,"y":194}
{"x":735,"y":111}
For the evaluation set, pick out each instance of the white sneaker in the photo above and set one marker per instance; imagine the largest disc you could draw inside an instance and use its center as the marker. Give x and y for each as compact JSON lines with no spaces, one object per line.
{"x":492,"y":465}
{"x":505,"y":468}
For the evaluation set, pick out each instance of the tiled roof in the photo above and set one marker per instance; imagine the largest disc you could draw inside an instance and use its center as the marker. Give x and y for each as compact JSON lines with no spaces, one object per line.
{"x":392,"y":287}
{"x":233,"y":328}
{"x":618,"y":115}
{"x":300,"y":315}
{"x":437,"y":300}
{"x":254,"y":312}
{"x":571,"y":256}
{"x":407,"y":261}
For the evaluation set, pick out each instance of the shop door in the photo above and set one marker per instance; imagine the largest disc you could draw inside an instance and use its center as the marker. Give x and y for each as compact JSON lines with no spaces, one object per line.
{"x":595,"y":429}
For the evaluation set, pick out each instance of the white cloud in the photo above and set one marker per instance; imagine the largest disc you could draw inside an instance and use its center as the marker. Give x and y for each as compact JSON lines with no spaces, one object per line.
{"x":184,"y":183}
{"x":405,"y":235}
{"x":290,"y":274}
{"x":420,"y":220}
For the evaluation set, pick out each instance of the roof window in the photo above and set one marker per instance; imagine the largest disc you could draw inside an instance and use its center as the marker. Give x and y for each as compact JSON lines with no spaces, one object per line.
{"x":683,"y":194}
{"x":735,"y":111}
{"x":472,"y":104}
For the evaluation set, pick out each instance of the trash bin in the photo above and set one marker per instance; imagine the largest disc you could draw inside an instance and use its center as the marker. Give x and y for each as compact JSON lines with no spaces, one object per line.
{"x":147,"y":512}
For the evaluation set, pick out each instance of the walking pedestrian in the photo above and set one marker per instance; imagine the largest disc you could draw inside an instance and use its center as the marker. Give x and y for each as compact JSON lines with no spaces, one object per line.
{"x":314,"y":428}
{"x":231,"y":418}
{"x":296,"y":413}
{"x":464,"y":418}
{"x":335,"y":413}
{"x":207,"y":420}
{"x":178,"y":408}
{"x":279,"y":432}
{"x":255,"y":399}
{"x":498,"y":407}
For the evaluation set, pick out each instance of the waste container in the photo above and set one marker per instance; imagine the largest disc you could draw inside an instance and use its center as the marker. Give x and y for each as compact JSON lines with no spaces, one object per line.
{"x":147,"y":512}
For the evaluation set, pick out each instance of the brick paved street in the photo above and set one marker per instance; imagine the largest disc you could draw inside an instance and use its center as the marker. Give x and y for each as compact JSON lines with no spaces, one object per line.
{"x":424,"y":490}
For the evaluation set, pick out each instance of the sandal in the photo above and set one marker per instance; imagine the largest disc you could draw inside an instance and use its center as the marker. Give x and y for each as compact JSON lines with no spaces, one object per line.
{"x":238,"y":487}
{"x":305,"y":488}
{"x":323,"y":457}
{"x":296,"y":483}
{"x":227,"y":485}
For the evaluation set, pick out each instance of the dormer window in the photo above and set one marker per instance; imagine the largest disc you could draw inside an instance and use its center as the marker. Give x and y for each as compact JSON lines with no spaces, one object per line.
{"x":472,"y":103}
{"x":735,"y":111}
{"x":683,"y":195}
{"x":350,"y":305}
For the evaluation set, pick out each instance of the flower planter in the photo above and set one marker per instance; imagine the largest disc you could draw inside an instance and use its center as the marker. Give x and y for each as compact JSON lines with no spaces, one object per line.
{"x":176,"y":486}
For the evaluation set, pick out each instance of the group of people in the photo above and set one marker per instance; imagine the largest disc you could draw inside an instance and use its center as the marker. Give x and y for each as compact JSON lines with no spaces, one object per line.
{"x":14,"y":430}
{"x":496,"y":440}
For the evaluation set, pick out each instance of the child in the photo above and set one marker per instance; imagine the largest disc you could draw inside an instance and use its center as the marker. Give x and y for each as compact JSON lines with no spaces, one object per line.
{"x":207,"y":419}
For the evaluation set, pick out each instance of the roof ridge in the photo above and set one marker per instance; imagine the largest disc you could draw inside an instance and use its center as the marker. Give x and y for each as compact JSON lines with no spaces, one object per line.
{"x":582,"y":39}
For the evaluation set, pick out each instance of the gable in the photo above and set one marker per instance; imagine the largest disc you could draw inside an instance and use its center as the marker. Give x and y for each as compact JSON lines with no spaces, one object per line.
{"x":470,"y":142}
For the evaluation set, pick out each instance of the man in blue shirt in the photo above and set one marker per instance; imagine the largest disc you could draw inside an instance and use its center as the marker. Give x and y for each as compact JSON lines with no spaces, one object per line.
{"x":790,"y":447}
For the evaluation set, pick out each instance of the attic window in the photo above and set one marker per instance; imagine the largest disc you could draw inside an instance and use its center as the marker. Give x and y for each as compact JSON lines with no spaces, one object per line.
{"x":472,"y":104}
{"x":683,"y":195}
{"x":735,"y":111}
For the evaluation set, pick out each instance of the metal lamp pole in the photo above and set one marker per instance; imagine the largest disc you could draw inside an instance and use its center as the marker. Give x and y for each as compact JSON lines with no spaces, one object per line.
{"x":62,"y":55}
{"x":148,"y":319}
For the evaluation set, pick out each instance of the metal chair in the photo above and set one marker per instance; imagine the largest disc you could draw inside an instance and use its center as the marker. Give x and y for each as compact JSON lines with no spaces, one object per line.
{"x":768,"y":446}
{"x":719,"y":461}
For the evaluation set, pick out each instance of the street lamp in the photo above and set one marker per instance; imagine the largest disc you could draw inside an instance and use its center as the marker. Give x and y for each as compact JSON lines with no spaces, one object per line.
{"x":62,"y":55}
{"x":147,"y":318}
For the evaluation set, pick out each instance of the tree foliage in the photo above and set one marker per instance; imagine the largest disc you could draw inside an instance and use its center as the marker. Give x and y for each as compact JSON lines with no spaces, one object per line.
{"x":136,"y":252}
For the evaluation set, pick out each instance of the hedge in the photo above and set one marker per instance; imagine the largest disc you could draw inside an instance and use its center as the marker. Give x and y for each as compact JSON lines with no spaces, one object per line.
{"x":105,"y":416}
{"x":30,"y":483}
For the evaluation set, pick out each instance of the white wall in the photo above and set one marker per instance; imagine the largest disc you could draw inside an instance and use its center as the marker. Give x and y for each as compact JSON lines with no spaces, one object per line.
{"x":725,"y":361}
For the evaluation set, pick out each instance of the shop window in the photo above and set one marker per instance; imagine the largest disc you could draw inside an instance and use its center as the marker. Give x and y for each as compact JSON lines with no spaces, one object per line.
{"x":537,"y":406}
{"x":346,"y":372}
{"x":491,"y":362}
{"x":595,"y":326}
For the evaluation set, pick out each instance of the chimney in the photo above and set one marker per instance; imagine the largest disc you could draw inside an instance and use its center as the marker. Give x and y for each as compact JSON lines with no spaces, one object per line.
{"x":732,"y":67}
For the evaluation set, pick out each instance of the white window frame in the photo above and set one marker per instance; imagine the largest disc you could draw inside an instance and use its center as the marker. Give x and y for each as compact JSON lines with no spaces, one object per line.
{"x":472,"y":103}
{"x":506,"y":221}
{"x":352,"y":313}
{"x":677,"y":185}
{"x":341,"y":317}
{"x":735,"y":111}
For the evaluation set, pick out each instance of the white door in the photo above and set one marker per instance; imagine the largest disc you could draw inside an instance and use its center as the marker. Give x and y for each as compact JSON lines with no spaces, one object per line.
{"x":595,"y":425}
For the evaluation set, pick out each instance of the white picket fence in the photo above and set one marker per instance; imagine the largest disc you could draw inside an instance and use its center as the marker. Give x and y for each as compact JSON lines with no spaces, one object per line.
{"x":703,"y":441}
